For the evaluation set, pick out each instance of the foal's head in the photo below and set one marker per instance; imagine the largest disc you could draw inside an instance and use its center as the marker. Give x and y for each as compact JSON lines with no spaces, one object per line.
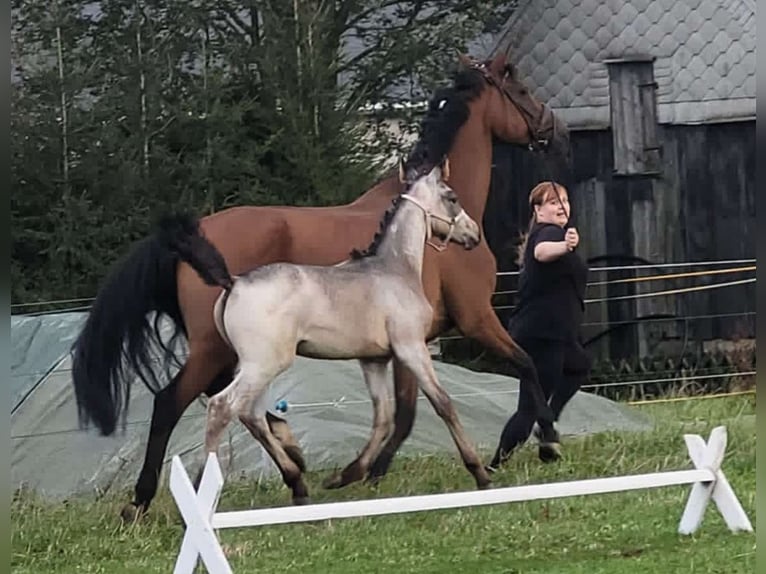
{"x":445,"y":216}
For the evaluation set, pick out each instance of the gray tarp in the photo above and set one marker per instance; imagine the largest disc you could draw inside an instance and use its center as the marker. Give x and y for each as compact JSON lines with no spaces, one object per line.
{"x":329,"y":411}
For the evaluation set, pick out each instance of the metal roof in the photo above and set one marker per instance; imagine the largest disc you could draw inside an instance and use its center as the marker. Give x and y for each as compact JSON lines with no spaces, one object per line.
{"x":703,"y":51}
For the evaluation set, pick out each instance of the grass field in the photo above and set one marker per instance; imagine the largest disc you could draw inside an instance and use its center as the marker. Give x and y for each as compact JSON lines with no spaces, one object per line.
{"x":616,"y":533}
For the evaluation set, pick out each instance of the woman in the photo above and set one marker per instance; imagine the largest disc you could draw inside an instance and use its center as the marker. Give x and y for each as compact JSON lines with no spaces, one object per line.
{"x":547,"y":319}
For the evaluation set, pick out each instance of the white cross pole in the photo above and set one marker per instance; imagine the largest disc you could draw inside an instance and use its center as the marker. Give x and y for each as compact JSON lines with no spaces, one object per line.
{"x":709,"y":456}
{"x":197,"y":509}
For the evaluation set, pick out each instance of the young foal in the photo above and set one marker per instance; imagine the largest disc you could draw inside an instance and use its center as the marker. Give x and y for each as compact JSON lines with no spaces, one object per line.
{"x":370,"y":308}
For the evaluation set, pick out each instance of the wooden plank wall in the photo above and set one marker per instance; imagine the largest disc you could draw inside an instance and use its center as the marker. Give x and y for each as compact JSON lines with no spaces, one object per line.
{"x":701,"y":207}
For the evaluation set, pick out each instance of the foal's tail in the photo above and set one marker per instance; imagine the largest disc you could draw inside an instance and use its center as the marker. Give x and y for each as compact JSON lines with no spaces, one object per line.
{"x":182,"y":236}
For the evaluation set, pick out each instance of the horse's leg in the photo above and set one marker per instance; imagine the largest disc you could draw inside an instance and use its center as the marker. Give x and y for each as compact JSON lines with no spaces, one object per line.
{"x":196,"y":375}
{"x":375,"y":376}
{"x":406,"y":395}
{"x":246,"y":400}
{"x":414,"y":354}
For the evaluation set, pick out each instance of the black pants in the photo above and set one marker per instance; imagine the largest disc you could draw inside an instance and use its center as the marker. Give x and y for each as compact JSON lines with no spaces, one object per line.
{"x":562,"y":368}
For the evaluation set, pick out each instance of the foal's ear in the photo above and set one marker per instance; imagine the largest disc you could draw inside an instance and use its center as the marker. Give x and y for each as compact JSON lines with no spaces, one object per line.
{"x":445,"y":168}
{"x":402,"y":172}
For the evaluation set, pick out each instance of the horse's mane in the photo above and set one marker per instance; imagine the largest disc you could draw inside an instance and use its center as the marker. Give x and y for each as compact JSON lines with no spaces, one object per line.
{"x":388,"y":216}
{"x":447,"y":112}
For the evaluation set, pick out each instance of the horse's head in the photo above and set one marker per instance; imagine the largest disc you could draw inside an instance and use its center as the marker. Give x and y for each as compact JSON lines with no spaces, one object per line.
{"x":445,"y":216}
{"x":514,"y":115}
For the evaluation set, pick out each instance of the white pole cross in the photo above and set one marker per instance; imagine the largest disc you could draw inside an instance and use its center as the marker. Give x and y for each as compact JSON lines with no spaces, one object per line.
{"x":197,"y":510}
{"x":710,"y":456}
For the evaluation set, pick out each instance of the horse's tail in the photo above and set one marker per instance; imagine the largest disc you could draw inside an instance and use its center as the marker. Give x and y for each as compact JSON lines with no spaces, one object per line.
{"x":181,"y":235}
{"x":118,"y":338}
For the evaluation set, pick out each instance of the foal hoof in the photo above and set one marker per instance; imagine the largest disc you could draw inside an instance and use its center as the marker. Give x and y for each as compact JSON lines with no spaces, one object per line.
{"x":484,"y":485}
{"x":301,"y":501}
{"x":333,"y":481}
{"x":549,"y":451}
{"x":132,"y":512}
{"x":373,"y":479}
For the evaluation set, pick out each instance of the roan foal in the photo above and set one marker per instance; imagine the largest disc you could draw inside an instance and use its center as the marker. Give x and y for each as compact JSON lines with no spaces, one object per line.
{"x":369,"y":308}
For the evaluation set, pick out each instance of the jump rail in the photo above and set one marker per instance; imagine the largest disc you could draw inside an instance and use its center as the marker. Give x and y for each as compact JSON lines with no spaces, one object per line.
{"x":198,"y":509}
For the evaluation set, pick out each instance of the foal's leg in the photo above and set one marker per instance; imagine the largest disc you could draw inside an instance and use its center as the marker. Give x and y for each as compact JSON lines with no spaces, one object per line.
{"x":375,"y":376}
{"x":246,"y":400}
{"x":204,"y":364}
{"x":254,"y":417}
{"x":406,"y":395}
{"x":281,"y":430}
{"x":415,"y":355}
{"x":292,"y":474}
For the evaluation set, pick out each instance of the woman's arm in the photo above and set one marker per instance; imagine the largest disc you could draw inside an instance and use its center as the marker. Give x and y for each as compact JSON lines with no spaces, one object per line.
{"x":547,"y":251}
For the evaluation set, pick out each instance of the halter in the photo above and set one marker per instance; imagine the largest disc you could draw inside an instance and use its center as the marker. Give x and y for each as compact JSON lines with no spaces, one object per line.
{"x":429,"y":215}
{"x":541,"y":128}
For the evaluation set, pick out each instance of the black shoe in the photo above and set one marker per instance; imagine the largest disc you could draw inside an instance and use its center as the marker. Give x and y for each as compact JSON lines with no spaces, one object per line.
{"x":550,"y":448}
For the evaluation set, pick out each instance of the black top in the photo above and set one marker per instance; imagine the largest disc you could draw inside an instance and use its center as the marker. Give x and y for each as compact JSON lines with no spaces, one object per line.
{"x":551,"y":295}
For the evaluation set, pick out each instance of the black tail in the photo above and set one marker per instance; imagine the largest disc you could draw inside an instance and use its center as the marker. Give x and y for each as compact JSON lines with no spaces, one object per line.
{"x":182,"y":237}
{"x":116,"y":342}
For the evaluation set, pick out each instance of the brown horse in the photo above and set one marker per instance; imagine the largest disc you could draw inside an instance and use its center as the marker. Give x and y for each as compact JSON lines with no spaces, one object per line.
{"x":486,"y":101}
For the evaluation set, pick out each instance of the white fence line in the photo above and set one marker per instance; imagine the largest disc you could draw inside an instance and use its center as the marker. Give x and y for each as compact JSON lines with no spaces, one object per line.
{"x":199,"y":508}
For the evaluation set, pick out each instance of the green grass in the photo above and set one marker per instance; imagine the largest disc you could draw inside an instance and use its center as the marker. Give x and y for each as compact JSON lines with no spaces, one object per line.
{"x":627,"y":532}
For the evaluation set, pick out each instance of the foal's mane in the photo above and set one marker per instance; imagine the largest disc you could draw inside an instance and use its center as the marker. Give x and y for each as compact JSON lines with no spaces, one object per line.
{"x":447,"y":111}
{"x":388,"y":216}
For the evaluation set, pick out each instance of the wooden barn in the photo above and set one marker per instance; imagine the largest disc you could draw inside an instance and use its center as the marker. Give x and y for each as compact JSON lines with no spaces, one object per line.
{"x":660,"y":98}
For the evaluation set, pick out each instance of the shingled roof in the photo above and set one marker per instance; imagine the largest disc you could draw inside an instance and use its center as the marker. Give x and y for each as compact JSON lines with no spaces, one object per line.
{"x":703,"y":51}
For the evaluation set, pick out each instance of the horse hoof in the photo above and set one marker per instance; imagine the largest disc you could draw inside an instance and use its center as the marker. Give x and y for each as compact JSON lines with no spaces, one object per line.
{"x":131,"y":513}
{"x":301,"y":500}
{"x":549,"y":451}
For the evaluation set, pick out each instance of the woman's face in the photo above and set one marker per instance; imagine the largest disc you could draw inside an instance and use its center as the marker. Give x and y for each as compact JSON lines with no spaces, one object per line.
{"x":554,"y":209}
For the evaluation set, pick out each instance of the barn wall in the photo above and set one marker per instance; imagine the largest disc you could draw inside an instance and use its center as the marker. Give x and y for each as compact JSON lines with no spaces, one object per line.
{"x":701,"y":207}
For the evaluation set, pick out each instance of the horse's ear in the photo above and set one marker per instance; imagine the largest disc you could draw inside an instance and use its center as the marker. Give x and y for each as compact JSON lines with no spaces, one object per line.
{"x":497,"y":65}
{"x":402,"y":172}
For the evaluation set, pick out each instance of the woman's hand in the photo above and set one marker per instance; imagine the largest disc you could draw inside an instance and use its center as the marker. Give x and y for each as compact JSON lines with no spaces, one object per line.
{"x":571,"y":238}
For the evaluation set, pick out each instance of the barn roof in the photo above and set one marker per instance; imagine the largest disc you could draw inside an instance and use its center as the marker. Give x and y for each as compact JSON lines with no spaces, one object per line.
{"x":703,"y":51}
